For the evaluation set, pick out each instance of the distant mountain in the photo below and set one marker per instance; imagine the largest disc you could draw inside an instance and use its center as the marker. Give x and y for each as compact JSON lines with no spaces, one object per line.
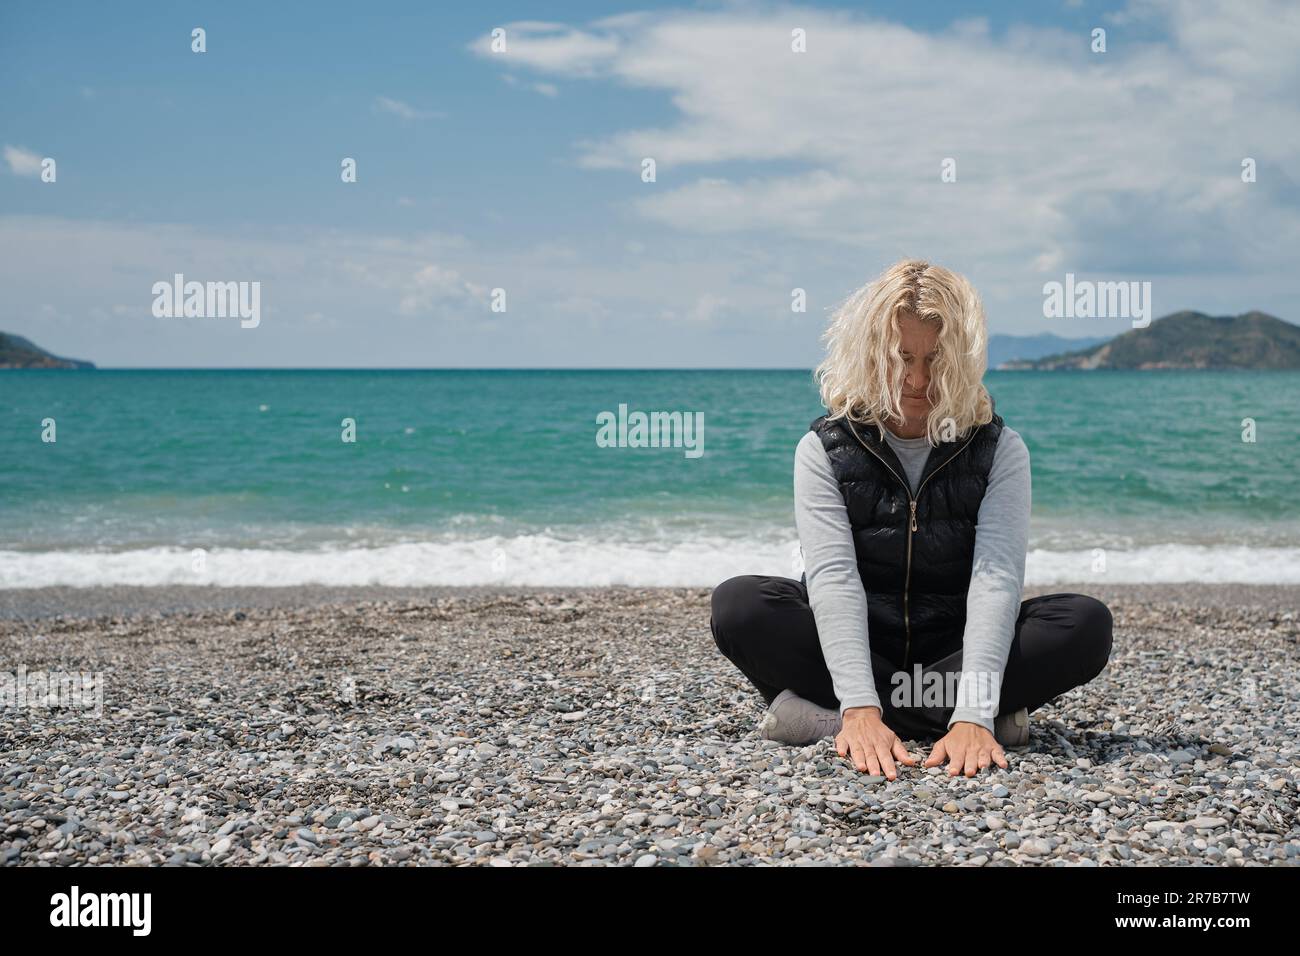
{"x":18,"y":352}
{"x":1008,"y":348}
{"x":1190,"y":340}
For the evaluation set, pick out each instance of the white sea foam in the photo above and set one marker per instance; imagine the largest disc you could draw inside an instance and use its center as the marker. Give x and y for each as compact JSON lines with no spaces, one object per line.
{"x":544,"y":560}
{"x":1169,"y":564}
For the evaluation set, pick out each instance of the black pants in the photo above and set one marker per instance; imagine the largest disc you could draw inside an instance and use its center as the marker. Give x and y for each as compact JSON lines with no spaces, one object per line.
{"x":764,"y":625}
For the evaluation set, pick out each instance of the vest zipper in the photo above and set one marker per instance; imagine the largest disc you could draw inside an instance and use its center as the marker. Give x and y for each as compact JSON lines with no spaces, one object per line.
{"x":911,"y":528}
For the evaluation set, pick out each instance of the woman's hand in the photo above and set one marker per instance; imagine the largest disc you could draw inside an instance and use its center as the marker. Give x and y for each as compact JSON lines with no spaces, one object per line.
{"x":969,"y":747}
{"x":873,"y":745}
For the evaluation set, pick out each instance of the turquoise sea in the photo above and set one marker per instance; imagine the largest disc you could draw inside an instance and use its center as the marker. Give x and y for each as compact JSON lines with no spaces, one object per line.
{"x":496,"y":476}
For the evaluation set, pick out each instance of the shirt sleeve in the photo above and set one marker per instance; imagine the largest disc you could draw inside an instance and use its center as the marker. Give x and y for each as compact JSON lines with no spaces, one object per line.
{"x":835,"y":592}
{"x":997,"y":581}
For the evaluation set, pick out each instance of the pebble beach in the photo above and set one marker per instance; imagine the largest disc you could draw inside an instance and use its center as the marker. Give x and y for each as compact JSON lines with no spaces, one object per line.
{"x":504,"y":727}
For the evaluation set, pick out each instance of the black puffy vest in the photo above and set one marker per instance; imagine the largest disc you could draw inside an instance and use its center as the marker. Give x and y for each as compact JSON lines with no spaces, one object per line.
{"x":915,"y":574}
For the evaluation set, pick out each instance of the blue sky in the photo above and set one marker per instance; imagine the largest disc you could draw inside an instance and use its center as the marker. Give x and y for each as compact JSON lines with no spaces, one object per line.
{"x":521,"y":170}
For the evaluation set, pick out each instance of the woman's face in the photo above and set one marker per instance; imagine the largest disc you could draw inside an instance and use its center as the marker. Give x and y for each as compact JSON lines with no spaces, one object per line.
{"x":919,"y":344}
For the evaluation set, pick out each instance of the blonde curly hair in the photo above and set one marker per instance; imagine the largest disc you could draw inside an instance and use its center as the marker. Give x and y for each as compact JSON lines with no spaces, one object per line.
{"x":862,"y":374}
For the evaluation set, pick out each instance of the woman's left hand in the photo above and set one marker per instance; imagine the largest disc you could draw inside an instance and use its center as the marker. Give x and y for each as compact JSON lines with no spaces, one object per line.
{"x":969,"y":748}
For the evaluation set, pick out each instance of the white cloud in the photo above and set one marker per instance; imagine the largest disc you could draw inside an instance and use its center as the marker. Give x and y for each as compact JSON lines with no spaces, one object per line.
{"x":706,"y":307}
{"x":711,"y":205}
{"x":552,"y":47}
{"x":407,"y":112}
{"x":22,"y":162}
{"x":546,"y":89}
{"x":843,"y":143}
{"x":432,"y":286}
{"x":775,"y":170}
{"x":370,"y":286}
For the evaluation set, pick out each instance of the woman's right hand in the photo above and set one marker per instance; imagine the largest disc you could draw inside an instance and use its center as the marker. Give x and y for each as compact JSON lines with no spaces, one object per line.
{"x":873,"y":746}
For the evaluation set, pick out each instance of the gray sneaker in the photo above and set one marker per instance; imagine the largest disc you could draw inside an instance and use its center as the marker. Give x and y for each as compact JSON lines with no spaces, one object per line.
{"x":1012,"y":730}
{"x":793,"y":720}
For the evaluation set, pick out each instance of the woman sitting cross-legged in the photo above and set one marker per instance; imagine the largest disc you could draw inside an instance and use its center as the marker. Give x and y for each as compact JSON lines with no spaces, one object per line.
{"x":912,"y":502}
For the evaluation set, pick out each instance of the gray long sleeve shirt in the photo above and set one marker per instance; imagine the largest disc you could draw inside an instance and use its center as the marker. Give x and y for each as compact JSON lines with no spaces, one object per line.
{"x":839,"y":601}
